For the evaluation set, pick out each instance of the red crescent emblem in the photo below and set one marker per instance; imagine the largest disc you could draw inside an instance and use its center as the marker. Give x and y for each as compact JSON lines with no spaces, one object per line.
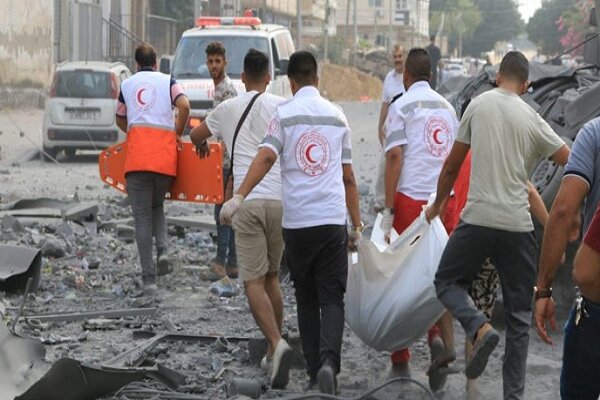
{"x":435,"y":136}
{"x":307,"y":153}
{"x":139,"y":96}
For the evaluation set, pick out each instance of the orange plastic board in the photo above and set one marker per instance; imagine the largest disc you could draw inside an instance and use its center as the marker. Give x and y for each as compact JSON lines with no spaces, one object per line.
{"x":198,"y":180}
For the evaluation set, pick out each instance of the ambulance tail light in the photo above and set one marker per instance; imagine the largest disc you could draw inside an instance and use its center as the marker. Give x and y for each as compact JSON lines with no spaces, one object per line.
{"x":228,"y":21}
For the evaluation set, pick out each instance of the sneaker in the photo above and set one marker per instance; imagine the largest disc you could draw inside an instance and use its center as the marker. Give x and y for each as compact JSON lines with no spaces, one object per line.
{"x":326,"y":378}
{"x":150,"y":290}
{"x":282,"y":361}
{"x":266,"y":364}
{"x":163,"y":265}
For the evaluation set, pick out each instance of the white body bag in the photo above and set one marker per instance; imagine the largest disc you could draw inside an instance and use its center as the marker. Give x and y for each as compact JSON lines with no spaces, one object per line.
{"x":390,"y":296}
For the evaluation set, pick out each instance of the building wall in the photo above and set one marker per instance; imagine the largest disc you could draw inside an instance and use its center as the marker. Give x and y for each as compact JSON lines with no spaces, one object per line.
{"x":409,"y":20}
{"x":26,"y":42}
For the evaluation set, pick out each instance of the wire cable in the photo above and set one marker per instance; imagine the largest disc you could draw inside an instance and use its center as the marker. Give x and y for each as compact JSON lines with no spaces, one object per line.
{"x":595,"y":35}
{"x":366,"y":395}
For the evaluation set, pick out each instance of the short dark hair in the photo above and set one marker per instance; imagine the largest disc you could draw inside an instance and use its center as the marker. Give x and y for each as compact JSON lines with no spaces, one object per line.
{"x":432,"y":38}
{"x":145,"y":55}
{"x":515,"y":66}
{"x":256,"y":65}
{"x":302,"y":68}
{"x":215,"y":48}
{"x":418,"y":64}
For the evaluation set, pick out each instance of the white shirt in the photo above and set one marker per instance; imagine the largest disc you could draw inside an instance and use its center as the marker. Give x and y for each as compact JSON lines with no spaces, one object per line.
{"x":392,"y":85}
{"x":425,"y":125}
{"x":222,"y":122}
{"x":313,"y":139}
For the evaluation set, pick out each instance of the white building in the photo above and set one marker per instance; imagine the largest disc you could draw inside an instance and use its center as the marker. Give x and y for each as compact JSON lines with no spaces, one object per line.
{"x":385,"y":22}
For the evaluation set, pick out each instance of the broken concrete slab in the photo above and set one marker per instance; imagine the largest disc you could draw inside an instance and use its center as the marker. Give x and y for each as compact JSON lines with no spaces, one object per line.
{"x":204,"y":222}
{"x":84,"y":213}
{"x":17,"y":265}
{"x":78,"y":316}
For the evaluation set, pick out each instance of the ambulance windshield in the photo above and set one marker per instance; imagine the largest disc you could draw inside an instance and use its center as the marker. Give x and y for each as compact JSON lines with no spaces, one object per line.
{"x":190,"y":57}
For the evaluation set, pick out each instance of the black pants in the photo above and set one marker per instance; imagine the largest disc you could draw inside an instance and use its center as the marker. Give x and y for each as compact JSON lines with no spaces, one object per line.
{"x":514,"y":255}
{"x":318,"y":261}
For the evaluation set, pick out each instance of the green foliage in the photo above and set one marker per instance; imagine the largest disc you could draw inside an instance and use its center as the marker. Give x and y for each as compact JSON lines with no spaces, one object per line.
{"x":543,"y":25}
{"x":454,"y":18}
{"x":500,"y":21}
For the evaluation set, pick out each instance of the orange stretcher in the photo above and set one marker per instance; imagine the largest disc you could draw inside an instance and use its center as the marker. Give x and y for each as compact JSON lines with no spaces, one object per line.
{"x":198,"y":180}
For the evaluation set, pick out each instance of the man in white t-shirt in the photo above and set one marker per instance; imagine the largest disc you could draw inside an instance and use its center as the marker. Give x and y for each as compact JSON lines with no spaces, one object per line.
{"x":393,"y":86}
{"x":313,"y":139}
{"x":257,"y":226}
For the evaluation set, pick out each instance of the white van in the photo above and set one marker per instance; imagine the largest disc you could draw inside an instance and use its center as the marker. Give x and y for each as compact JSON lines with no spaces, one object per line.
{"x":80,"y":108}
{"x":238,"y":35}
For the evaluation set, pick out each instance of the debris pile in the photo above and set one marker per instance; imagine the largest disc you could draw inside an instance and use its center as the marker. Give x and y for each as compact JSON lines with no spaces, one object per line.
{"x":84,"y":318}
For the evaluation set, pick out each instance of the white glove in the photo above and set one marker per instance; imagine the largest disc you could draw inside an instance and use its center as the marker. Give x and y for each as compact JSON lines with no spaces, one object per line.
{"x":353,"y":238}
{"x":386,"y":224}
{"x":230,"y":208}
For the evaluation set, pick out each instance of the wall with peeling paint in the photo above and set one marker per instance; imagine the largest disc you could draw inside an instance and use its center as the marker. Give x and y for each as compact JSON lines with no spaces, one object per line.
{"x":26,"y":33}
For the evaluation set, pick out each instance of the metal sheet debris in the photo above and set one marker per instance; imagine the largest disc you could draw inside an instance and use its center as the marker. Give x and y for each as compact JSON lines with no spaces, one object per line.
{"x":17,"y":265}
{"x":69,"y":379}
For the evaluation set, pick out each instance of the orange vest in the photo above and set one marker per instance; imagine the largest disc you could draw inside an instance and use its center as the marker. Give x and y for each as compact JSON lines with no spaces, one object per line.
{"x":151,"y":138}
{"x":151,"y":149}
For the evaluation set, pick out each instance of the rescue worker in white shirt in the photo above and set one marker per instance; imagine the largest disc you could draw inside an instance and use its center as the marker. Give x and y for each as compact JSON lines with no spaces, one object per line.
{"x":313,"y":139}
{"x":257,"y":226}
{"x":144,"y":111}
{"x":393,"y":86}
{"x":420,"y":129}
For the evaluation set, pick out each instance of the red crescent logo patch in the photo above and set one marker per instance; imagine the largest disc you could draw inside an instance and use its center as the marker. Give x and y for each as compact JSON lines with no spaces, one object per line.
{"x":313,"y":153}
{"x":144,"y":96}
{"x":437,"y":137}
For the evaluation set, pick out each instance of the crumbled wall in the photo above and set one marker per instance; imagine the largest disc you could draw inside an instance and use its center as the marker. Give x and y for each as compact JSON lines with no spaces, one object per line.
{"x":26,"y":43}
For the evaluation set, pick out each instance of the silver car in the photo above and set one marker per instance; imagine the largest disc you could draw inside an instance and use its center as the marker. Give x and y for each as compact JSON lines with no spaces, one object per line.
{"x":81,"y":105}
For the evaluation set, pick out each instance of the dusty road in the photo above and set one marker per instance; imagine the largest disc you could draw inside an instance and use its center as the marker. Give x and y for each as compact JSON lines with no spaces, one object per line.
{"x":186,"y":302}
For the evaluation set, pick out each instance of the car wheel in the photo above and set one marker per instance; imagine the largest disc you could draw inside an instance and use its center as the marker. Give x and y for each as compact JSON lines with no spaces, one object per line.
{"x":49,"y":153}
{"x":70,"y":152}
{"x":546,"y":177}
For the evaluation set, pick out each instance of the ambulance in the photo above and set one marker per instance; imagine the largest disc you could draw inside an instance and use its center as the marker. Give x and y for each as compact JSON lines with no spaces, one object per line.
{"x":238,"y":35}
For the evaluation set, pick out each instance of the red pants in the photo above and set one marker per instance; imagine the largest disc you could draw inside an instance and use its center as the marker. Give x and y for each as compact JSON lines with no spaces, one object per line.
{"x":407,"y":210}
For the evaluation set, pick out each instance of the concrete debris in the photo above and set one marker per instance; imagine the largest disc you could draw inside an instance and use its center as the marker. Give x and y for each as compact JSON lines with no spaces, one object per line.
{"x":77,"y":316}
{"x":53,"y":247}
{"x":9,"y":222}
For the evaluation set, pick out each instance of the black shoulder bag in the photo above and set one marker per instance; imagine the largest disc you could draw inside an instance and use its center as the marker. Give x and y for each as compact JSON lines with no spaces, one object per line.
{"x":229,"y":181}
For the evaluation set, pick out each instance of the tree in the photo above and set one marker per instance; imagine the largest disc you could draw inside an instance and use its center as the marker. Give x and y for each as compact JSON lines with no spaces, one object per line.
{"x":500,"y":21}
{"x":543,"y":26}
{"x":457,"y":19}
{"x":574,"y":25}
